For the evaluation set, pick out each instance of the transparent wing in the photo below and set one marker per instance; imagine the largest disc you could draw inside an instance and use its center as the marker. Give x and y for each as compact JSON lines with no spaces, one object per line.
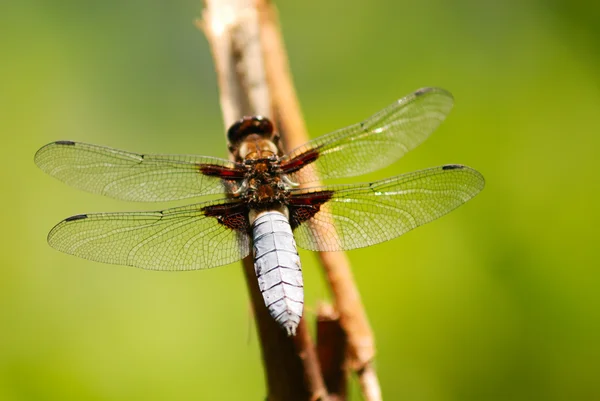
{"x":131,"y":176}
{"x":183,"y":238}
{"x":372,"y":144}
{"x":360,"y":215}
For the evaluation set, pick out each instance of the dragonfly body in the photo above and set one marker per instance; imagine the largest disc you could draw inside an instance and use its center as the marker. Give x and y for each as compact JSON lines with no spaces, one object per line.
{"x":265,"y":210}
{"x":277,"y":267}
{"x":266,"y":193}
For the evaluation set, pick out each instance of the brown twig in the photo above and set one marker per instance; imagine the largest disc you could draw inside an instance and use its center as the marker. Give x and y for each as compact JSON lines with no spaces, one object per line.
{"x":233,"y":32}
{"x":353,"y":318}
{"x":254,"y":79}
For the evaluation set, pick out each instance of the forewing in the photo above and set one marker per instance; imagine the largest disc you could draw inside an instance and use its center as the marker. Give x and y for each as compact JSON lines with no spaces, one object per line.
{"x":183,"y":238}
{"x":132,"y":176}
{"x":372,"y":144}
{"x":355,"y":216}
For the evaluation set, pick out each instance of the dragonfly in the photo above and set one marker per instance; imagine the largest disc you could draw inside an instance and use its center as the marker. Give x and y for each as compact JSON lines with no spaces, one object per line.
{"x":267,"y":208}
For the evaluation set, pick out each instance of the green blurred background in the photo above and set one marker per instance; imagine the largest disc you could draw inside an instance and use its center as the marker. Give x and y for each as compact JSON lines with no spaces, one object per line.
{"x":497,"y":301}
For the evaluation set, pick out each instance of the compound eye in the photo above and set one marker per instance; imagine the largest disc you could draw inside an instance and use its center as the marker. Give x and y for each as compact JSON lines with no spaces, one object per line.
{"x":249,"y":125}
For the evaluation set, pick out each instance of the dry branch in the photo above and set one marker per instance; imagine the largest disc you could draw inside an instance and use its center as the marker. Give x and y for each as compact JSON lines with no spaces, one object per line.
{"x":352,"y":315}
{"x":254,"y":79}
{"x":232,"y":30}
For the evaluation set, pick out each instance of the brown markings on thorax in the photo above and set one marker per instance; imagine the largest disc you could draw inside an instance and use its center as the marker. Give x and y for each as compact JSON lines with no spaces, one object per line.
{"x":265,"y":188}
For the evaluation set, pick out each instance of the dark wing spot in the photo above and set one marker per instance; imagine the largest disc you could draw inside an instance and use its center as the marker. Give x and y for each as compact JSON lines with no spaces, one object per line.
{"x":422,"y":91}
{"x":452,"y":167}
{"x":226,"y":173}
{"x":231,"y":215}
{"x":363,"y":127}
{"x":303,"y":207}
{"x":237,"y":221}
{"x":77,"y":217}
{"x":68,"y":143}
{"x":300,"y":161}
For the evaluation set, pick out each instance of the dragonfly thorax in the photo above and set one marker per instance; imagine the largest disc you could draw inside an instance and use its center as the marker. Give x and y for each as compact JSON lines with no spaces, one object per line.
{"x":264,"y":186}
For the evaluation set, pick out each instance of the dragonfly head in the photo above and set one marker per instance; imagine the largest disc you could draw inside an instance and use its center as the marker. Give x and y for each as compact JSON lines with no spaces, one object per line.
{"x":250,"y":135}
{"x":249,"y":125}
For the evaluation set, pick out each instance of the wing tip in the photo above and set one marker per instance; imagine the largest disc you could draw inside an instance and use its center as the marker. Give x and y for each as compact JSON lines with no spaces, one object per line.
{"x":436,"y":97}
{"x":470,"y":170}
{"x":38,"y":157}
{"x":432,"y":90}
{"x":58,"y":226}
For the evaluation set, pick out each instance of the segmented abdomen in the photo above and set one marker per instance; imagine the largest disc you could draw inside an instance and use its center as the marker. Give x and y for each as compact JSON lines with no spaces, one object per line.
{"x":277,"y":267}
